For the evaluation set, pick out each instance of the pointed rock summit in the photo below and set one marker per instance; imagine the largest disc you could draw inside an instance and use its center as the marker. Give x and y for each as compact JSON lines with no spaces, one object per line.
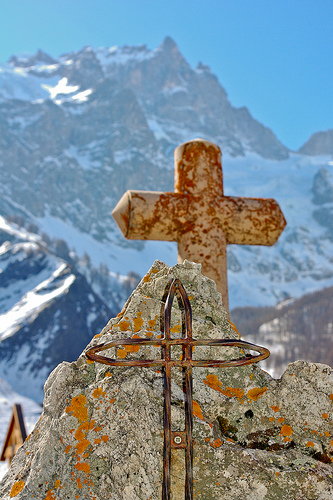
{"x":101,"y":432}
{"x":168,"y":44}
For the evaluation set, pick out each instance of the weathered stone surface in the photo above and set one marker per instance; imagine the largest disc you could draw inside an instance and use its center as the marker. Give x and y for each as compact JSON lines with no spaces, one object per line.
{"x":100,"y":434}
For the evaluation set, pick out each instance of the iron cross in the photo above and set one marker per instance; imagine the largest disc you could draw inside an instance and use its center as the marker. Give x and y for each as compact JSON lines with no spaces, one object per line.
{"x":198,"y":216}
{"x":173,"y":439}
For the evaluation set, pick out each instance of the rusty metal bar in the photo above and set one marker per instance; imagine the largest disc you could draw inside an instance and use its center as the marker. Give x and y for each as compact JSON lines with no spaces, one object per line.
{"x":178,"y":439}
{"x":166,"y":356}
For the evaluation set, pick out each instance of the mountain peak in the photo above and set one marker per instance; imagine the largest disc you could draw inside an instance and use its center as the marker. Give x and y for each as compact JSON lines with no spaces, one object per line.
{"x":168,"y":44}
{"x":27,"y":60}
{"x":320,"y":143}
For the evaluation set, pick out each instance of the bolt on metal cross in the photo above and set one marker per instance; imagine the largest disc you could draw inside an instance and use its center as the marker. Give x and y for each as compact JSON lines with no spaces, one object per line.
{"x":178,"y":439}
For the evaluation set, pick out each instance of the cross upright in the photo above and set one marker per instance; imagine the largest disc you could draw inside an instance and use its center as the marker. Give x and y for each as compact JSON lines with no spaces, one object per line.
{"x":197,"y":214}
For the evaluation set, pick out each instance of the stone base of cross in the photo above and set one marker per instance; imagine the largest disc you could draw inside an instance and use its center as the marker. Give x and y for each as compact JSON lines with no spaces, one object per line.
{"x":198,"y":216}
{"x":178,"y":439}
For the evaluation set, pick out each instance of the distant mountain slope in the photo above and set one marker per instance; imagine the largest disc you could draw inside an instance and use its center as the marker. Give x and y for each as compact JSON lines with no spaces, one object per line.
{"x":297,"y":329}
{"x":48,"y":311}
{"x":320,"y":143}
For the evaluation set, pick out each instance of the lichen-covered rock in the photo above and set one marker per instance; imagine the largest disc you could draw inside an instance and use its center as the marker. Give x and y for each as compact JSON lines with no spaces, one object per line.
{"x":101,"y":432}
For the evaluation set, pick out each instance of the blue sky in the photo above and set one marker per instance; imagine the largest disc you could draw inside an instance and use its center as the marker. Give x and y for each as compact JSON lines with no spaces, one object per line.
{"x":273,"y":56}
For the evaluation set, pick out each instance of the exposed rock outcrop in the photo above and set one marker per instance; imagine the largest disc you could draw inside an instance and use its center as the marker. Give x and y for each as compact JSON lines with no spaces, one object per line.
{"x":100,"y":434}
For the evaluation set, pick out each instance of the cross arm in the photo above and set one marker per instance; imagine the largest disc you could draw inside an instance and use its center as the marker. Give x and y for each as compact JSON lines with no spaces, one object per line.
{"x":251,"y":221}
{"x":153,"y":215}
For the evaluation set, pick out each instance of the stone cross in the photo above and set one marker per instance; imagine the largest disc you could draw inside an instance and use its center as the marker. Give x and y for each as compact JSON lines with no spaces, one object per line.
{"x":178,"y":439}
{"x":198,"y":216}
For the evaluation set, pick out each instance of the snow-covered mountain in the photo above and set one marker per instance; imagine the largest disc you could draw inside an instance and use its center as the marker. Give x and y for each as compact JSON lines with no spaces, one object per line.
{"x":48,"y":310}
{"x":75,"y":133}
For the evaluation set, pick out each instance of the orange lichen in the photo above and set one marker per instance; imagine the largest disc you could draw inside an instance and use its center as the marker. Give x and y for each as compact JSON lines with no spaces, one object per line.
{"x":78,"y":408}
{"x":146,"y":278}
{"x":331,"y":397}
{"x":112,"y":400}
{"x":331,"y":442}
{"x":233,"y":392}
{"x":107,"y":374}
{"x":275,"y":408}
{"x":217,"y":443}
{"x":82,"y":445}
{"x":49,"y":495}
{"x":234,"y":327}
{"x":119,"y":315}
{"x":197,"y":410}
{"x":81,"y":432}
{"x":16,"y":488}
{"x":98,"y":392}
{"x":175,"y":329}
{"x":310,"y":444}
{"x":327,"y":433}
{"x":214,"y":383}
{"x":97,"y":441}
{"x":281,"y":420}
{"x":122,"y":353}
{"x":124,"y":325}
{"x":286,"y":430}
{"x":324,"y":415}
{"x":138,"y":322}
{"x":105,"y":439}
{"x":83,"y":466}
{"x":256,"y":393}
{"x":271,"y":419}
{"x":68,"y":449}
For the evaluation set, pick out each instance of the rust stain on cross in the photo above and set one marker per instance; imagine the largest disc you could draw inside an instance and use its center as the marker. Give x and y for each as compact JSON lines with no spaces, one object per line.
{"x":178,"y":439}
{"x":198,"y":216}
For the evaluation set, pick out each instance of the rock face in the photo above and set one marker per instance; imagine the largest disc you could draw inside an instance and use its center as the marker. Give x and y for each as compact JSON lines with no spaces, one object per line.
{"x":100,"y":434}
